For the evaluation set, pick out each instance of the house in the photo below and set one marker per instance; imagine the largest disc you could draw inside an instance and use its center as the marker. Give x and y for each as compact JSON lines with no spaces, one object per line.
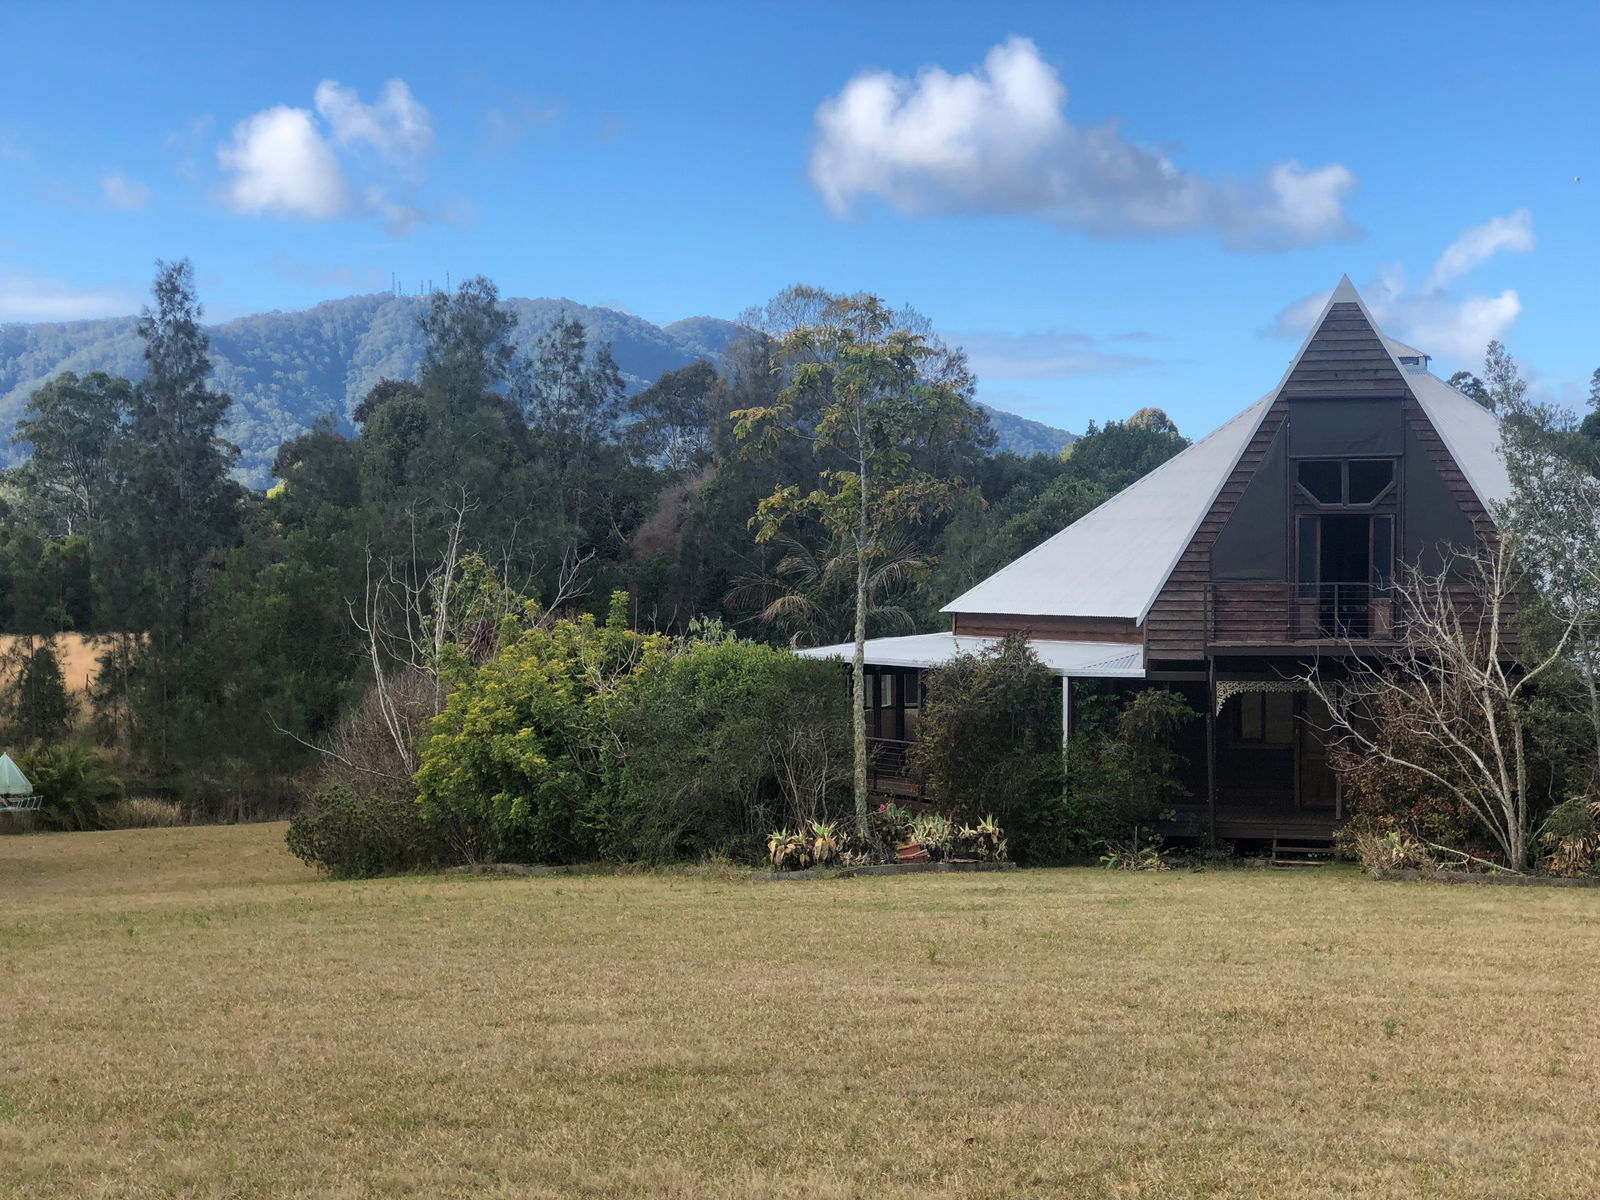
{"x":1265,"y":550}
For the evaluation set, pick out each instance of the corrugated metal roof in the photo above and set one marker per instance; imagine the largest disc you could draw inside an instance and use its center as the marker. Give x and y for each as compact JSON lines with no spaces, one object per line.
{"x":1470,"y":432}
{"x":1094,"y":660}
{"x":1112,"y":561}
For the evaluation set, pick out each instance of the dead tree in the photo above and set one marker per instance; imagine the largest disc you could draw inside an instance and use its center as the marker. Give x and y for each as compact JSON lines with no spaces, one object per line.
{"x":1455,"y":696}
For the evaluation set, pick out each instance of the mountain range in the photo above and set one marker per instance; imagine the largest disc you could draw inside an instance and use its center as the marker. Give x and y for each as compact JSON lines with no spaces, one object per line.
{"x":286,"y":369}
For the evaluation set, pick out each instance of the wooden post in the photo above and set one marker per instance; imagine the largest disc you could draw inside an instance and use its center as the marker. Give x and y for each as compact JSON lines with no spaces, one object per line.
{"x":1066,"y":712}
{"x":1211,"y":747}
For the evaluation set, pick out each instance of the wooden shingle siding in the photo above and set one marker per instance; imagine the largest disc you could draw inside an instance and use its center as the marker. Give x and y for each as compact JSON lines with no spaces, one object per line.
{"x":1176,"y":627}
{"x":1250,"y":613}
{"x":1345,"y":358}
{"x":1066,"y":629}
{"x":1443,"y":462}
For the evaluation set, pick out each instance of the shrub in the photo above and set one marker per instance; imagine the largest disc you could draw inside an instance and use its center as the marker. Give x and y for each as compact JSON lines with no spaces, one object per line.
{"x":144,"y":812}
{"x":76,"y":787}
{"x":1122,"y":773}
{"x":1571,"y":838}
{"x":352,"y":835}
{"x":1385,"y":851}
{"x":513,"y":768}
{"x":989,"y":741}
{"x":1383,"y":798}
{"x":727,"y":740}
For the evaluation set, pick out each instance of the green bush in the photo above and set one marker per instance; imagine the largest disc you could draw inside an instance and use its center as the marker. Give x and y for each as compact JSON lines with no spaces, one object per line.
{"x":352,"y":835}
{"x":727,"y":741}
{"x":76,"y":787}
{"x":513,"y":768}
{"x":1121,"y":773}
{"x":989,"y":741}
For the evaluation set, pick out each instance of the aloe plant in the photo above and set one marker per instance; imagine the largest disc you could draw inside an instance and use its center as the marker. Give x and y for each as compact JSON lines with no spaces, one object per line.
{"x":825,"y":842}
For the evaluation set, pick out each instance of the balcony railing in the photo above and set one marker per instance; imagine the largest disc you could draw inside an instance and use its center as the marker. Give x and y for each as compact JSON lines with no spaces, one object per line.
{"x":889,"y":767}
{"x":1244,"y":614}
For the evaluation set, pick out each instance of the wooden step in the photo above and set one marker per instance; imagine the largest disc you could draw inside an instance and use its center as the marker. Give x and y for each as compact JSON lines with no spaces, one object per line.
{"x":1302,"y":854}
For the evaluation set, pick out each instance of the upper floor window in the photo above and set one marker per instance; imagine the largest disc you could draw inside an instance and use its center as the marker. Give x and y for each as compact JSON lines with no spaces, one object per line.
{"x":1345,"y":482}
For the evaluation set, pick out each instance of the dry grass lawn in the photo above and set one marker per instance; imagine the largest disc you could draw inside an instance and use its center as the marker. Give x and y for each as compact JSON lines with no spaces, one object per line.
{"x":190,"y":1013}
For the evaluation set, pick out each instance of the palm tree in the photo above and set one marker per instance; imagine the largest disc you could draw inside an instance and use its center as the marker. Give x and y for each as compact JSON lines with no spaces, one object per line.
{"x":810,"y":592}
{"x":75,"y":785}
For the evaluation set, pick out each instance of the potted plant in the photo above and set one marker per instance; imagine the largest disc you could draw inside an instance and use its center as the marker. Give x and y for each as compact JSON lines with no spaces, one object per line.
{"x":935,"y":833}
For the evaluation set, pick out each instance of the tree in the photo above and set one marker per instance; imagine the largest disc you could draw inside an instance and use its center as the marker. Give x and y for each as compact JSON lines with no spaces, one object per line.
{"x":1123,"y":768}
{"x":574,"y":408}
{"x":808,"y":591}
{"x":573,"y":397}
{"x":1502,"y":384}
{"x":39,"y":708}
{"x":878,"y":399}
{"x":1594,"y":390}
{"x":1554,"y":514}
{"x":178,"y":502}
{"x":1470,"y":386}
{"x":76,"y":786}
{"x":1120,"y":452}
{"x":72,"y":426}
{"x":674,"y":417}
{"x":989,"y":742}
{"x":175,"y":506}
{"x":1458,"y":700}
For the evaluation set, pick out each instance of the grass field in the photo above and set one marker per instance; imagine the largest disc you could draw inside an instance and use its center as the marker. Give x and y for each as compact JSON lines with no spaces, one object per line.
{"x":189,"y":1012}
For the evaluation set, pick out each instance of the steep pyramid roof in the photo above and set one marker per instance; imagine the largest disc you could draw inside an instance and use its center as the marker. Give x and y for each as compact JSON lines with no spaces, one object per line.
{"x":1113,"y":561}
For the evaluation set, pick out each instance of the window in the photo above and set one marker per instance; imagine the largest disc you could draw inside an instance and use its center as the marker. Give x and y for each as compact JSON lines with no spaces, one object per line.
{"x":1345,"y":483}
{"x":1369,"y":479}
{"x":1324,"y":480}
{"x":1265,"y":719}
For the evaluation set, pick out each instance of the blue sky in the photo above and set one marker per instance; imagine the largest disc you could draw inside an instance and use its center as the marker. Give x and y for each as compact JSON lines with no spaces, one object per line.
{"x":1111,"y":205}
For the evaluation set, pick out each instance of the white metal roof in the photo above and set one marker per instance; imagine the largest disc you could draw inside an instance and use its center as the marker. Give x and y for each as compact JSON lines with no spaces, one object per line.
{"x":1470,"y":432}
{"x":1112,"y":561}
{"x":1097,"y":660}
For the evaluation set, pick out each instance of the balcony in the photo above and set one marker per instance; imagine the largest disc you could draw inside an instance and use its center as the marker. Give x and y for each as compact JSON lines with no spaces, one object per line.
{"x":889,"y":768}
{"x":1279,"y":614}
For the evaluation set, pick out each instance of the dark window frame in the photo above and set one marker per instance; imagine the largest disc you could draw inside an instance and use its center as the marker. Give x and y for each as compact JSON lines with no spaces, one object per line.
{"x":1384,"y":495}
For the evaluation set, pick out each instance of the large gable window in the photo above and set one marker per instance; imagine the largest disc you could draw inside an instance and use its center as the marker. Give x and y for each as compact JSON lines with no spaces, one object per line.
{"x":1345,"y":483}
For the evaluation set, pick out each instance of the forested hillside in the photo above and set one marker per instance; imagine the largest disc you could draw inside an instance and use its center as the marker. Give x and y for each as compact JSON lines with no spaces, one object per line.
{"x":284,"y":370}
{"x":586,"y":485}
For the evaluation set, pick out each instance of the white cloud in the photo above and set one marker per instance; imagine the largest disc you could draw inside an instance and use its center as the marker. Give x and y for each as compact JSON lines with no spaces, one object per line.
{"x":997,"y":140}
{"x":121,"y":192}
{"x":514,"y":116}
{"x":1479,"y":244}
{"x":282,"y":165}
{"x":287,"y":161}
{"x":1051,"y":354}
{"x":25,"y":296}
{"x":1429,"y":315}
{"x":397,"y":126}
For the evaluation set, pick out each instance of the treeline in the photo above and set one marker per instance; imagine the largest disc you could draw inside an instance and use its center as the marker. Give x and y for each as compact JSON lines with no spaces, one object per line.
{"x":244,"y":636}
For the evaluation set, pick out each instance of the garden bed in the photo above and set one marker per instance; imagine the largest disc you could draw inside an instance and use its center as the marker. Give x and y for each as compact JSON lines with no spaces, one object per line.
{"x":936,"y":868}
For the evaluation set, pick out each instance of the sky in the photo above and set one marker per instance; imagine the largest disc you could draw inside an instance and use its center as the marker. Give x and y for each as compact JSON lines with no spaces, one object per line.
{"x":1110,"y":205}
